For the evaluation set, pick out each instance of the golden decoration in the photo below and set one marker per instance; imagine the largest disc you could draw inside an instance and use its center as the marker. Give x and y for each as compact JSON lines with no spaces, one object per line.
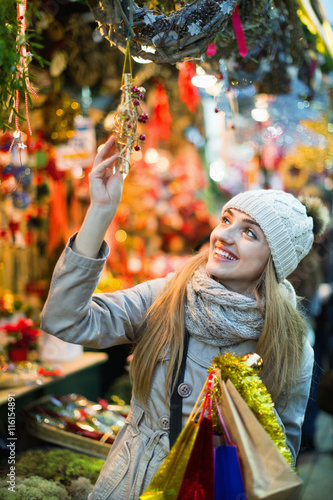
{"x":255,"y":395}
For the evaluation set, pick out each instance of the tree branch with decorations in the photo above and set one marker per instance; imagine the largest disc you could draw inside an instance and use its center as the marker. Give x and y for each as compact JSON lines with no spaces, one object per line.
{"x":171,"y":31}
{"x":16,"y":47}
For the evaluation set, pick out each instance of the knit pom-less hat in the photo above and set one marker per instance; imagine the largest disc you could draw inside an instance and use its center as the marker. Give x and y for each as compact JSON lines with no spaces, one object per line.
{"x":284,"y":221}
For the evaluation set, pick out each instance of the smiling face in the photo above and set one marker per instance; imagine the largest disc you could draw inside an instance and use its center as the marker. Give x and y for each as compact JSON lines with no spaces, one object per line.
{"x":238,"y":251}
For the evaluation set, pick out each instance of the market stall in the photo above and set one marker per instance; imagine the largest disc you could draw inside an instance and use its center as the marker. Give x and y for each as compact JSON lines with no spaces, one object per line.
{"x":206,"y":99}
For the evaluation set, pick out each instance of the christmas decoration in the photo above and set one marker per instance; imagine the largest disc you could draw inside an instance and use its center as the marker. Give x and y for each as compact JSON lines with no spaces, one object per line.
{"x":22,"y":338}
{"x":161,"y":120}
{"x":188,"y":93}
{"x":10,"y":303}
{"x":75,"y":414}
{"x":222,"y":101}
{"x":127,"y":116}
{"x":15,"y":57}
{"x":172,"y":32}
{"x":243,"y":373}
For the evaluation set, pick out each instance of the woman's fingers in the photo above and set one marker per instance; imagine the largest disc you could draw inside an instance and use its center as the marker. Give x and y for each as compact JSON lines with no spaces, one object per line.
{"x":100,"y":168}
{"x":106,"y":150}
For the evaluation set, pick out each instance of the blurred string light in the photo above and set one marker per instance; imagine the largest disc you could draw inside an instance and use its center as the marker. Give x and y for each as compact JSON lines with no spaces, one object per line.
{"x":303,"y":104}
{"x":77,"y":172}
{"x":193,"y":135}
{"x":134,"y":265}
{"x":214,"y":90}
{"x":273,"y":131}
{"x":163,"y":164}
{"x":217,"y":170}
{"x":260,"y":114}
{"x":120,"y":235}
{"x":202,"y":80}
{"x":109,"y":121}
{"x":151,"y":156}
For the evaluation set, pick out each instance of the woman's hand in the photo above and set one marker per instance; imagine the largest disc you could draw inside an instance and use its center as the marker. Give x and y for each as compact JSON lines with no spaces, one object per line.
{"x":106,"y":183}
{"x":106,"y":186}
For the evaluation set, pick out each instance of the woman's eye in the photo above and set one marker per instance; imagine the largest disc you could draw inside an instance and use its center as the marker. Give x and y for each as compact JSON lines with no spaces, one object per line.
{"x":250,"y":233}
{"x":225,"y":220}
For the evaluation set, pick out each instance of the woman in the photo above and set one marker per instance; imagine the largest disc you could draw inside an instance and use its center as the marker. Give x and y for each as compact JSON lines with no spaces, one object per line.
{"x":232,"y":297}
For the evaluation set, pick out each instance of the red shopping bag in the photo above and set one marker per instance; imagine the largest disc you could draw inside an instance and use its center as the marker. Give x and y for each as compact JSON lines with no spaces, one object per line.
{"x":168,"y":479}
{"x":198,"y":480}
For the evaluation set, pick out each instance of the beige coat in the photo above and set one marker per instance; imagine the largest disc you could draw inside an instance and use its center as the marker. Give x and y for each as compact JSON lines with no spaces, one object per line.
{"x":75,"y":315}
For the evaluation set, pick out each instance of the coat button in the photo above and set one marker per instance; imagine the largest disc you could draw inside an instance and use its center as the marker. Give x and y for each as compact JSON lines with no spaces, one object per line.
{"x":164,"y":423}
{"x":184,"y":390}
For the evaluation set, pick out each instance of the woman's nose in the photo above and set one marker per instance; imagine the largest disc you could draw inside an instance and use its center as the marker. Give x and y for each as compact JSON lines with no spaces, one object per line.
{"x":227,"y":234}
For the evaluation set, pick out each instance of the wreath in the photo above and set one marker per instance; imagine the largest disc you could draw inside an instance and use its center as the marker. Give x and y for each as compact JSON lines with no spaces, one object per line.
{"x":163,"y":37}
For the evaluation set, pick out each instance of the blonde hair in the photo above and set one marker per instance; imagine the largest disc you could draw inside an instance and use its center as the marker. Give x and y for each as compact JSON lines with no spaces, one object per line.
{"x":282,"y":339}
{"x":162,"y":332}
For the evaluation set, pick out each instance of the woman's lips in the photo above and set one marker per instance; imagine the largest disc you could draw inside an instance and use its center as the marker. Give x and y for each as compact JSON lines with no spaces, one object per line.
{"x":224,"y":254}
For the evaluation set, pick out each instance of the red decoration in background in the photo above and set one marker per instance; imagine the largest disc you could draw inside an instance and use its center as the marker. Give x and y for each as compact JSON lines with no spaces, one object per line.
{"x":18,"y":354}
{"x":58,"y":218}
{"x":211,"y":50}
{"x":160,"y":121}
{"x":239,"y":32}
{"x":188,"y":93}
{"x":23,"y":337}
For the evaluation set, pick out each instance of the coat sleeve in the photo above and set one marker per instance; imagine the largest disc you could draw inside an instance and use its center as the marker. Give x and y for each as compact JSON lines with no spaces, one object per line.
{"x":291,"y":416}
{"x":74,"y":313}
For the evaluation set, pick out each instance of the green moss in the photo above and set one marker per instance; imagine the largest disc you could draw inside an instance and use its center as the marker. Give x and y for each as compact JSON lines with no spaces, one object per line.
{"x":79,"y":489}
{"x":34,"y":488}
{"x":59,"y":465}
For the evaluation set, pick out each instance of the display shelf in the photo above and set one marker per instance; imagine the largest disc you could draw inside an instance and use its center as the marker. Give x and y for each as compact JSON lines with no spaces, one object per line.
{"x":87,"y":360}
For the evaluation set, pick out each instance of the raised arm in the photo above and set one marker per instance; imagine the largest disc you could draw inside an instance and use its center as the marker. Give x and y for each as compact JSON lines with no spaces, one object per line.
{"x":71,"y":312}
{"x":106,"y":186}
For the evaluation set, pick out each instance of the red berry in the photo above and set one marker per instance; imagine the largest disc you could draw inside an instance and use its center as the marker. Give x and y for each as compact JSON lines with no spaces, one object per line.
{"x":140,"y":96}
{"x":142,"y":137}
{"x":145,"y":116}
{"x":136,"y":102}
{"x":216,"y":110}
{"x":129,"y":126}
{"x":140,"y":119}
{"x":137,"y":147}
{"x":134,"y":90}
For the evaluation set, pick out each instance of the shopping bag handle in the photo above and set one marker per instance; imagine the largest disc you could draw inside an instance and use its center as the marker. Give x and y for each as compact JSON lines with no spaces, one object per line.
{"x":225,"y":430}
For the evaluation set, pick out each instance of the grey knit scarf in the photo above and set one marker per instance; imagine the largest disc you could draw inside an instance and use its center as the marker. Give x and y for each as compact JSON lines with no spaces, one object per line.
{"x":217,"y":316}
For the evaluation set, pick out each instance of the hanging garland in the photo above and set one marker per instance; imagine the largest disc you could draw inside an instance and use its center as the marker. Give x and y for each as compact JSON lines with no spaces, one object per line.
{"x":182,"y":34}
{"x":243,"y":373}
{"x":127,"y":116}
{"x":15,"y":57}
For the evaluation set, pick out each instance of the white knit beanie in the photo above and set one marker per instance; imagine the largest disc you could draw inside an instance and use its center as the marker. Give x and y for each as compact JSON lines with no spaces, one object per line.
{"x":283,"y":220}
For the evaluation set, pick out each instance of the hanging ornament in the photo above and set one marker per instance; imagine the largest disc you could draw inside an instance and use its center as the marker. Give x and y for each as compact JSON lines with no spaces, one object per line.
{"x":188,"y":92}
{"x":127,"y":116}
{"x":160,"y":125}
{"x":239,"y":32}
{"x":222,"y":100}
{"x":22,"y":75}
